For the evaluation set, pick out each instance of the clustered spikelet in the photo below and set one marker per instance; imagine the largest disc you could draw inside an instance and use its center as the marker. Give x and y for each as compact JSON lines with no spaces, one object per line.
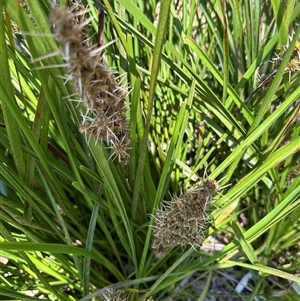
{"x":185,"y":220}
{"x":292,"y":66}
{"x":101,"y":96}
{"x":294,"y":62}
{"x":113,"y":295}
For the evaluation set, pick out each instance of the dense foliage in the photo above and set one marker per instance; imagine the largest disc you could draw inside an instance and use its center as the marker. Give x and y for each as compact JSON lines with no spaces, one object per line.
{"x":150,"y":150}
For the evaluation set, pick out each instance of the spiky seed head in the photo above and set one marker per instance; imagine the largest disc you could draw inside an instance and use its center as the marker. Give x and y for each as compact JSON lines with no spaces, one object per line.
{"x":95,"y":83}
{"x":185,"y":220}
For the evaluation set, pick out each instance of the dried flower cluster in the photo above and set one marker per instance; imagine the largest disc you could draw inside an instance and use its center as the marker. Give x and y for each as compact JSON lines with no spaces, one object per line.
{"x":292,"y":66}
{"x":101,"y":96}
{"x":185,"y":220}
{"x":113,"y":295}
{"x":294,"y":62}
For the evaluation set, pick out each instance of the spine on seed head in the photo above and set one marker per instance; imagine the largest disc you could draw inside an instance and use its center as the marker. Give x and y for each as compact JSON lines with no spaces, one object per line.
{"x":104,"y":101}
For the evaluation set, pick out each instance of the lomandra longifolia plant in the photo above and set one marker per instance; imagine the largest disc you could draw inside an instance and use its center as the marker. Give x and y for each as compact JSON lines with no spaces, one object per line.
{"x":103,"y":99}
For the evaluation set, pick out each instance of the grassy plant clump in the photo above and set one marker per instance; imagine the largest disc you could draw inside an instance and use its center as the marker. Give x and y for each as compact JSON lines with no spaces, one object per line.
{"x":150,"y":150}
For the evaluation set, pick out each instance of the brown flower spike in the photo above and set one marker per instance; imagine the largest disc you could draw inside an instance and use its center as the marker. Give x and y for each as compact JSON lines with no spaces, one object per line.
{"x":184,"y":221}
{"x":101,"y":96}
